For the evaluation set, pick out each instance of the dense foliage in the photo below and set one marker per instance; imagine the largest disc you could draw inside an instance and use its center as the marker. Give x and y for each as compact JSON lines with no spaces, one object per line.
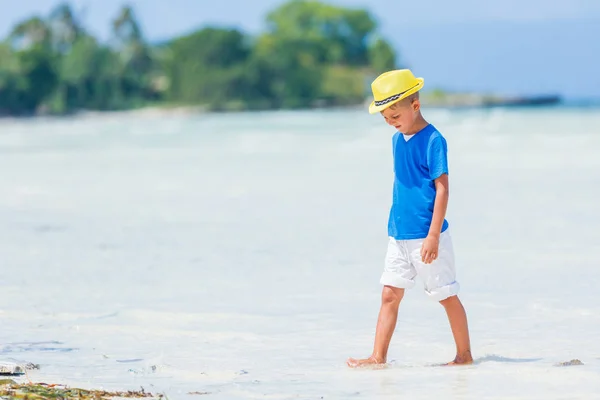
{"x":311,"y":54}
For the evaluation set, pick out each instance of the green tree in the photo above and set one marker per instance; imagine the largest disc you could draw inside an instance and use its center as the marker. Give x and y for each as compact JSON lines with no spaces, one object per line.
{"x":293,"y":69}
{"x":207,"y":67}
{"x":90,"y":77}
{"x":31,"y":32}
{"x":130,"y":43}
{"x":382,"y":56}
{"x":319,"y":51}
{"x":312,"y":53}
{"x":27,"y":78}
{"x":11,"y":81}
{"x":338,"y":34}
{"x":64,"y":28}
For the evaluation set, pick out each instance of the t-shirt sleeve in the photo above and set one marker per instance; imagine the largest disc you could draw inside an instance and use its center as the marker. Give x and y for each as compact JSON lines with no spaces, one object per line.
{"x":437,"y":157}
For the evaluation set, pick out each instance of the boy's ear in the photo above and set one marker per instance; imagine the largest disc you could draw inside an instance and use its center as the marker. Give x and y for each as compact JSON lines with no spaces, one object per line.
{"x":416,"y":105}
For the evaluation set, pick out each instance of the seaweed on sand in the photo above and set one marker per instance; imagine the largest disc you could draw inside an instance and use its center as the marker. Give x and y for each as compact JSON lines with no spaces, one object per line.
{"x":9,"y":389}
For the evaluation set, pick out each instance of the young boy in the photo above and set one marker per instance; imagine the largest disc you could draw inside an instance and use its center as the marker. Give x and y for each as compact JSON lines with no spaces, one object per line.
{"x":419,"y":241}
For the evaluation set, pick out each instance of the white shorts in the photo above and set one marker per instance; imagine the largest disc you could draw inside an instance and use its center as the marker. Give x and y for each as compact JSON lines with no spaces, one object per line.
{"x":403,"y":264}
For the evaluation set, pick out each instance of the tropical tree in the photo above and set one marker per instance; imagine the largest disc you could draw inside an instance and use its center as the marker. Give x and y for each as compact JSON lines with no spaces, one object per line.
{"x":311,"y":53}
{"x":31,"y":32}
{"x":64,"y":27}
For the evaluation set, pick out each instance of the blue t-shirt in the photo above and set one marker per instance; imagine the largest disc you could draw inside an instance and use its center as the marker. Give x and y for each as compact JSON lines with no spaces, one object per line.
{"x":417,"y":162}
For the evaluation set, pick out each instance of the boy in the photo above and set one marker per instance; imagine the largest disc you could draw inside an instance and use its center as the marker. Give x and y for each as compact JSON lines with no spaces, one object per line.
{"x":419,"y":241}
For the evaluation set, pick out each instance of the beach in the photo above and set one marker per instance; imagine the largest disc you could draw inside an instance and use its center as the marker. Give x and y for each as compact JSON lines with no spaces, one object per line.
{"x":238,"y":256}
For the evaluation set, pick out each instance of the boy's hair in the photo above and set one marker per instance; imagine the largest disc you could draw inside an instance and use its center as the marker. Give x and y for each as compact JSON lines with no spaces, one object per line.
{"x":406,"y":101}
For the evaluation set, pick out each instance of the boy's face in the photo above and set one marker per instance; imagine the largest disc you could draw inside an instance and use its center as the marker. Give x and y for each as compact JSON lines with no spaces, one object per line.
{"x":402,"y":115}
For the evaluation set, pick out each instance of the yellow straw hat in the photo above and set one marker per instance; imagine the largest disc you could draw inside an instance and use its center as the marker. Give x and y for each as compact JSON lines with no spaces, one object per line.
{"x":393,"y":86}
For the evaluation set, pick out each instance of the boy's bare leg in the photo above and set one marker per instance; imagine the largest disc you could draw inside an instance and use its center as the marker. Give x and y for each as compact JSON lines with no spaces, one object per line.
{"x":460,"y":330}
{"x":386,"y":323}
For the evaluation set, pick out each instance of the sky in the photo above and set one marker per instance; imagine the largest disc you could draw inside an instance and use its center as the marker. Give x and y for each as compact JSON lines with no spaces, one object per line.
{"x":521,"y":47}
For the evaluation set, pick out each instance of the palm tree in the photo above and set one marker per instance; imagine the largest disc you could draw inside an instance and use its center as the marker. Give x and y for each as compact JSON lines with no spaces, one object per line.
{"x":130,"y":42}
{"x":65,"y":27}
{"x":31,"y":32}
{"x":126,"y":28}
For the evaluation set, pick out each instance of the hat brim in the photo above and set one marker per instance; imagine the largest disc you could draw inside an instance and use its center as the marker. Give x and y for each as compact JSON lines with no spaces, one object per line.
{"x":373,"y":109}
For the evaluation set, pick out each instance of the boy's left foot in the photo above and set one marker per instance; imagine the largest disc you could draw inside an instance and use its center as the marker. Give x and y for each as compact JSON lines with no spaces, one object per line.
{"x":365,"y":362}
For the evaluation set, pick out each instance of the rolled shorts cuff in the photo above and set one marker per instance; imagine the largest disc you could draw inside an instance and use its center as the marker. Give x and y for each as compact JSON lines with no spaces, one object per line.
{"x":395,"y":280}
{"x":444,"y":292}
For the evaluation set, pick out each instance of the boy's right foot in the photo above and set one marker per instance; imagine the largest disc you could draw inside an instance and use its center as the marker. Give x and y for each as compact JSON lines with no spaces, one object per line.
{"x":463,"y":359}
{"x":365,"y":362}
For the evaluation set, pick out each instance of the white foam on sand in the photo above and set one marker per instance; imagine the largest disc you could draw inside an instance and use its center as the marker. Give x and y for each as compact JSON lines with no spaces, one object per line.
{"x":239,"y":255}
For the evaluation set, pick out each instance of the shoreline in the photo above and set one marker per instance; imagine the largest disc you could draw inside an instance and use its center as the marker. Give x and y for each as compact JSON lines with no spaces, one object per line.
{"x":439,"y":98}
{"x":433,"y":99}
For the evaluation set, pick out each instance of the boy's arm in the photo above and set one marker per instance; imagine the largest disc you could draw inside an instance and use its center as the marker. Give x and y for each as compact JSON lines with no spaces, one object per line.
{"x":429,"y":251}
{"x":437,"y":162}
{"x":440,"y":205}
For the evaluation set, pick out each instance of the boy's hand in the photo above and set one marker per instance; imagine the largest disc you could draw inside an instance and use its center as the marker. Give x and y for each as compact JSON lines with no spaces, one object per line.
{"x":429,"y":250}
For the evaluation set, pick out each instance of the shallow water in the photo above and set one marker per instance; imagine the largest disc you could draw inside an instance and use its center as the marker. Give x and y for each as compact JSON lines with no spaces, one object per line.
{"x":240,"y":254}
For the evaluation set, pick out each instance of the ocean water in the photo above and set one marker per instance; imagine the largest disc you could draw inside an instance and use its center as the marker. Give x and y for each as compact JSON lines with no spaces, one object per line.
{"x":238,"y":255}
